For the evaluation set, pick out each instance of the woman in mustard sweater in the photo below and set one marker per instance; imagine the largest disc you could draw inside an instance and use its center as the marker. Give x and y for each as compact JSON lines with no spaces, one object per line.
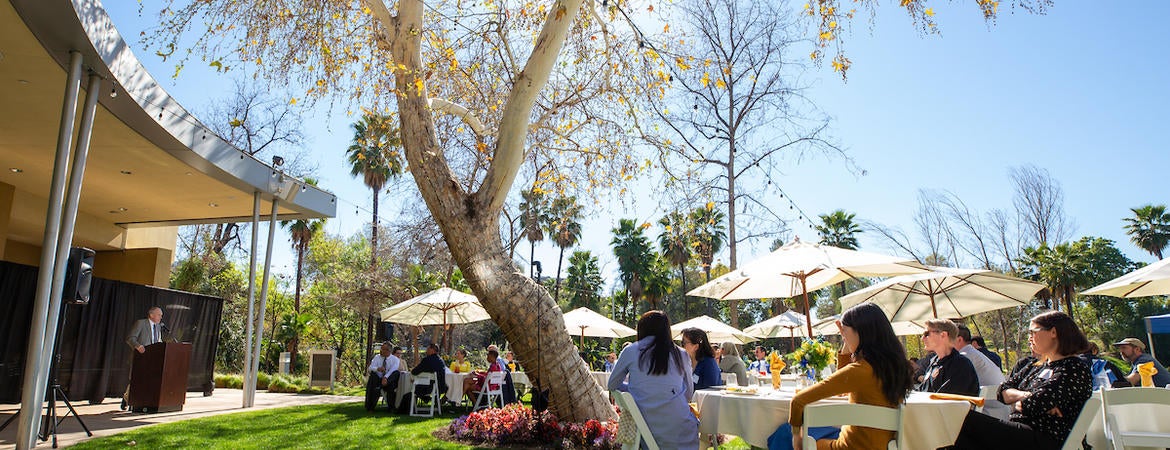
{"x":873,"y":371}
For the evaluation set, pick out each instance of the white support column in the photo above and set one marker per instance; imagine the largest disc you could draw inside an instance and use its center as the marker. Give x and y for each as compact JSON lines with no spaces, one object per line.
{"x":35,"y":381}
{"x":264,"y":293}
{"x":249,"y":377}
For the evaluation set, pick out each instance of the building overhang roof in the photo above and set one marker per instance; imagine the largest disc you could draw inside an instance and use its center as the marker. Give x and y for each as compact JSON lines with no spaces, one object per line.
{"x":151,"y":162}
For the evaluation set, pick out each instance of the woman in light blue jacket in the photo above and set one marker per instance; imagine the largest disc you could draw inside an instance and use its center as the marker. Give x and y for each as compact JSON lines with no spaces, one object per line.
{"x":660,"y":382}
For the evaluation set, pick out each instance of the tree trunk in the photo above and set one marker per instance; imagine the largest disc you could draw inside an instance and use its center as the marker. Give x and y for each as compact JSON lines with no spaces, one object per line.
{"x":710,"y":305}
{"x":682,"y":271}
{"x":295,"y":342}
{"x":372,"y":312}
{"x":524,"y":310}
{"x":557,"y":291}
{"x":530,"y":320}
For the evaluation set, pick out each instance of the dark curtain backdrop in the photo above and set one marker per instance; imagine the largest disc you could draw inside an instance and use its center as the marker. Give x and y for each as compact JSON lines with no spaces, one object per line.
{"x":95,"y":360}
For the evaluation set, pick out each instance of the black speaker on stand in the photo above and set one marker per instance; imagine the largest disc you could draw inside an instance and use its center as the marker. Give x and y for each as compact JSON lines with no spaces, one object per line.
{"x":78,"y":276}
{"x":385,"y":331}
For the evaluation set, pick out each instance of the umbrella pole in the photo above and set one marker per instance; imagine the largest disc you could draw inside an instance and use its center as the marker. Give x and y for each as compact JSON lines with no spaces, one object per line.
{"x":933,"y":308}
{"x":807,"y":309}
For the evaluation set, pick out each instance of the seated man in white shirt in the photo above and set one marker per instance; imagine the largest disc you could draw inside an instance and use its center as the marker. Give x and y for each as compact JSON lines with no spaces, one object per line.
{"x":381,"y":368}
{"x":988,"y":373}
{"x":760,"y":365}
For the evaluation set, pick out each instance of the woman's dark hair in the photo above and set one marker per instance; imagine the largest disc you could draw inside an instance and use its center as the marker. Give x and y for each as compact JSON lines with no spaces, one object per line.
{"x":1069,"y":339}
{"x":697,"y":336}
{"x":661,"y":351}
{"x":878,"y":346}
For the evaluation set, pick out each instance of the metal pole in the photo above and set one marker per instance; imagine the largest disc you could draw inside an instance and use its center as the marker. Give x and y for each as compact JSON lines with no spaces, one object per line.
{"x":33,"y":394}
{"x":264,"y":293}
{"x":249,"y":378}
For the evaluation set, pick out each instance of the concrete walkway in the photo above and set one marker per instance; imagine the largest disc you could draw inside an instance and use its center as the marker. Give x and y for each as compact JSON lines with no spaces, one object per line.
{"x":106,"y":419}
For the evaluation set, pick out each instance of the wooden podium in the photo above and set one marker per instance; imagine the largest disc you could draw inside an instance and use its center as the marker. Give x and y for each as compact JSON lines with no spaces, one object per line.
{"x":158,"y":379}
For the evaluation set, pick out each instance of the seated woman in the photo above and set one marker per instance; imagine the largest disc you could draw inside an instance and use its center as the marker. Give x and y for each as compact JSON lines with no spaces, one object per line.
{"x":873,"y":370}
{"x":660,"y":382}
{"x":706,"y":370}
{"x":479,"y":377}
{"x":460,"y":364}
{"x":732,"y":363}
{"x":1046,"y":400}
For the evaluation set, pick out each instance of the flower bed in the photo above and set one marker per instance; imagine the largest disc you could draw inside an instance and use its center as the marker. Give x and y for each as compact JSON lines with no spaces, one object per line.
{"x":519,"y":425}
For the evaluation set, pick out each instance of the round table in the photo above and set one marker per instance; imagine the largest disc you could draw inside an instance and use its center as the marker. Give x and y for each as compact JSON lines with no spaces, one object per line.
{"x":928,"y":424}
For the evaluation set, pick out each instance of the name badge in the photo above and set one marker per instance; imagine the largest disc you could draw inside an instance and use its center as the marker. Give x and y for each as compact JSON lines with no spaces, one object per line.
{"x":1044,"y":374}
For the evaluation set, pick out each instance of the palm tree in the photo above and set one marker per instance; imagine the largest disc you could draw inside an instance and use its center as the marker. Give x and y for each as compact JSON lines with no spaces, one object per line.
{"x":564,"y":225}
{"x":584,"y":281}
{"x":532,"y":219}
{"x":656,"y":280}
{"x":839,"y":230}
{"x":676,"y":242}
{"x":632,"y":249}
{"x":709,"y":236}
{"x":1149,"y":228}
{"x":301,"y":233}
{"x":374,"y":156}
{"x":1062,"y":268}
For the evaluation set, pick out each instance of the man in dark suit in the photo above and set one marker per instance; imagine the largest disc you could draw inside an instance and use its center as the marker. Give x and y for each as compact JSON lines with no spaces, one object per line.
{"x":432,"y":363}
{"x":979,"y":344}
{"x":144,"y":332}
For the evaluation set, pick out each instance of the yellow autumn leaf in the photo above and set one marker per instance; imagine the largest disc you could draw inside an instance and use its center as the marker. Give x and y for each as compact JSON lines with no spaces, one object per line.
{"x":720,"y":84}
{"x":418,"y":85}
{"x":930,"y":12}
{"x":827,"y":36}
{"x":833,"y":24}
{"x":705,"y":80}
{"x":292,"y":101}
{"x":812,"y":56}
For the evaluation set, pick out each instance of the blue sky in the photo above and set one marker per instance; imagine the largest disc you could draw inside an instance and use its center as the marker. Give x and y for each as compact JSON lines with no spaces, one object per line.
{"x":1082,"y":92}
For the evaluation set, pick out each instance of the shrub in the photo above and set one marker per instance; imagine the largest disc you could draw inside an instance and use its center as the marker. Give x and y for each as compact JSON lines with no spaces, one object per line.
{"x":519,"y":425}
{"x":262,"y":380}
{"x":229,"y":381}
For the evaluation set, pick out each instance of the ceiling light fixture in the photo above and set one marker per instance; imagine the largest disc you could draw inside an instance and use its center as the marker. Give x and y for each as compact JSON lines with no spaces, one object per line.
{"x":123,"y":209}
{"x":213,"y":204}
{"x":126,"y":172}
{"x":15,"y":170}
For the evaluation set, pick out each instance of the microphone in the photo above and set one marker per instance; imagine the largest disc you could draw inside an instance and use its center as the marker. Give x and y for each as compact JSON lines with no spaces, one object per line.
{"x":167,"y":330}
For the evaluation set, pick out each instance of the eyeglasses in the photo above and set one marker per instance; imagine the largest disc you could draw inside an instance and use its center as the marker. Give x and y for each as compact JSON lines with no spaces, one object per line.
{"x":927,"y":332}
{"x":1037,"y":330}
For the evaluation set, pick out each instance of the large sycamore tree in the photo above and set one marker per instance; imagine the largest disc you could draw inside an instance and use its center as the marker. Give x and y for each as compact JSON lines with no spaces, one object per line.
{"x":480,"y":88}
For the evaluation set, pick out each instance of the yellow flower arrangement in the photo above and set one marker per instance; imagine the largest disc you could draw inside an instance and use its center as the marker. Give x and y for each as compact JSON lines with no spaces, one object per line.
{"x":816,"y":354}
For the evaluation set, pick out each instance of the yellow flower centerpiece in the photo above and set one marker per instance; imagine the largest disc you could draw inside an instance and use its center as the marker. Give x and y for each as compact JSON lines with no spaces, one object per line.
{"x":814,"y":355}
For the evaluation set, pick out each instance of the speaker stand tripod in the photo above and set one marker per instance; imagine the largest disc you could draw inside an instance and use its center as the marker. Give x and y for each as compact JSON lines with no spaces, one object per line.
{"x":51,"y":420}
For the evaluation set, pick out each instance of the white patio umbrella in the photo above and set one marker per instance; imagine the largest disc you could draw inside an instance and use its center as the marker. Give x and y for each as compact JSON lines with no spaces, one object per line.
{"x":716,"y":331}
{"x":443,"y":306}
{"x":800,"y":267}
{"x":788,"y":324}
{"x":945,"y":292}
{"x":828,"y":327}
{"x":1153,"y":279}
{"x":585,"y":322}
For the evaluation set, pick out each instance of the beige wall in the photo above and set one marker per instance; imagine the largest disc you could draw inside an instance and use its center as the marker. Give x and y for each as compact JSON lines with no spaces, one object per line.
{"x":140,"y":255}
{"x":149,"y":266}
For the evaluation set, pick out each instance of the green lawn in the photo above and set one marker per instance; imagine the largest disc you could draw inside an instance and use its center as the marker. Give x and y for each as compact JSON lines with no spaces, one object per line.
{"x":336,"y":426}
{"x":318,"y":426}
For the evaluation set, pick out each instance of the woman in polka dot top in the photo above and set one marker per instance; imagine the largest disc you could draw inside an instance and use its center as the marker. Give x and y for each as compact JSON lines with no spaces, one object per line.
{"x":1046,"y":400}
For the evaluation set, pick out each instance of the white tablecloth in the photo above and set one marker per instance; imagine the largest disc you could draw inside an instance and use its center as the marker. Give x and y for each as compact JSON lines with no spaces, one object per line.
{"x":454,"y":385}
{"x":602,"y":379}
{"x":929,"y":424}
{"x":520,"y":378}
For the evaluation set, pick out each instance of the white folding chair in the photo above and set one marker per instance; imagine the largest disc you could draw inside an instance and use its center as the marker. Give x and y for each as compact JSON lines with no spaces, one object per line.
{"x":1090,"y":412}
{"x":835,"y":415}
{"x":432,"y":402}
{"x":991,"y":404}
{"x":486,"y":392}
{"x":625,"y":401}
{"x":1127,"y":436}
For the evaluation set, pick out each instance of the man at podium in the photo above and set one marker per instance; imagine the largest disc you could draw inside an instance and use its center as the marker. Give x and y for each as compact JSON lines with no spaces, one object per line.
{"x":144,"y":332}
